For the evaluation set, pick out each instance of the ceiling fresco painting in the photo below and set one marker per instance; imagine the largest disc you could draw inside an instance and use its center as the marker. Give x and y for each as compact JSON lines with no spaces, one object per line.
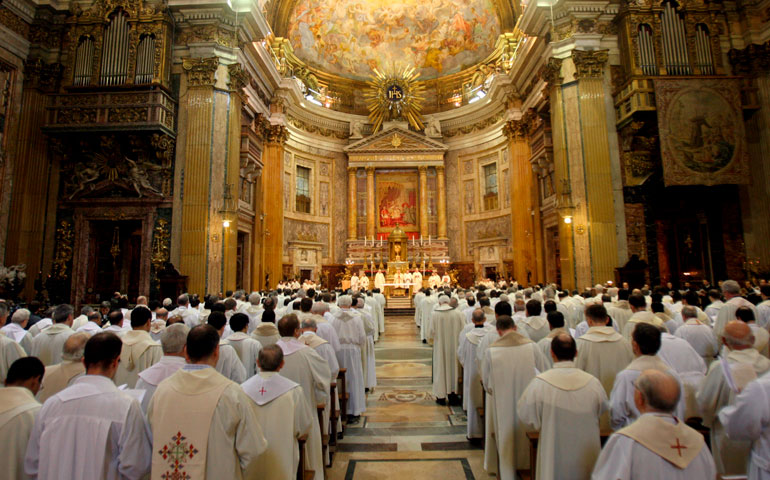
{"x":351,"y":37}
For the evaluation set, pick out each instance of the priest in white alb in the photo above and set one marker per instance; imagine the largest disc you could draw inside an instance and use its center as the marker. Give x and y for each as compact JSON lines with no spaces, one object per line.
{"x":657,"y":445}
{"x":564,"y":404}
{"x":58,"y":377}
{"x":303,"y":365}
{"x":15,"y":329}
{"x":748,"y":419}
{"x":246,"y":347}
{"x":350,"y":330}
{"x":732,"y":293}
{"x":370,"y":370}
{"x":641,"y":315}
{"x":444,"y":333}
{"x":416,"y":281}
{"x":466,"y":353}
{"x":92,"y":416}
{"x":18,"y":409}
{"x":172,"y":341}
{"x":47,"y":346}
{"x":207,"y":416}
{"x":509,"y":364}
{"x":10,"y":351}
{"x":228,"y":364}
{"x":379,"y":280}
{"x":534,"y":323}
{"x":140,"y":351}
{"x":602,"y":351}
{"x":282,"y":411}
{"x":723,"y":382}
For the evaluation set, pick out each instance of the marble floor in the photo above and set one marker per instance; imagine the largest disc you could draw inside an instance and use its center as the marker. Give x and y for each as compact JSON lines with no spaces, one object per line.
{"x":404,"y":433}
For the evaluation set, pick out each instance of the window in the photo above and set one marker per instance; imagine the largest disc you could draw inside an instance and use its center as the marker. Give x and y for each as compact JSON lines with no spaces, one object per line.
{"x":490,"y":186}
{"x":303,"y":190}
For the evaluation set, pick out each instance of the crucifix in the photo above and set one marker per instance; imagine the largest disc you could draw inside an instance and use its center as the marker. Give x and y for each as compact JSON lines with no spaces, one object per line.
{"x":678,"y":447}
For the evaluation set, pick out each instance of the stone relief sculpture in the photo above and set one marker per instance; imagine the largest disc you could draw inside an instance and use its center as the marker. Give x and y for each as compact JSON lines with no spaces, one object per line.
{"x":433,"y":129}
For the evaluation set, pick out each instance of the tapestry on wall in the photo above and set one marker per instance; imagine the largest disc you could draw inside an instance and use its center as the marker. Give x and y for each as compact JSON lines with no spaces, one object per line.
{"x":702,"y":139}
{"x":397,"y":201}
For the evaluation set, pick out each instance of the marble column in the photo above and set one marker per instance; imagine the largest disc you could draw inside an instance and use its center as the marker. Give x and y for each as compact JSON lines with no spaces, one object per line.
{"x":754,"y":61}
{"x":33,"y":196}
{"x":423,"y":172}
{"x":196,"y":107}
{"x":597,"y":158}
{"x":523,"y":202}
{"x":551,"y":73}
{"x":352,"y":203}
{"x":275,"y":136}
{"x":370,"y":209}
{"x":441,"y":200}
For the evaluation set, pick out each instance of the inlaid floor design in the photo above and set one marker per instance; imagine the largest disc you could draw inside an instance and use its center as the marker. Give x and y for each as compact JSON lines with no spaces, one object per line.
{"x":404,"y":433}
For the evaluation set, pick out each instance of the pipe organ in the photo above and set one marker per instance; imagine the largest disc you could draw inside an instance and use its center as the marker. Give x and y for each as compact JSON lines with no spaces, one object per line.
{"x":669,"y":38}
{"x":119,"y":43}
{"x":84,"y":60}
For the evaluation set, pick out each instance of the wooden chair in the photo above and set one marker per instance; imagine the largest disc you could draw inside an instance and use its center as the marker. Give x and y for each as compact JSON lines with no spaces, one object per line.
{"x":344,"y":396}
{"x":324,"y":437}
{"x":302,"y":472}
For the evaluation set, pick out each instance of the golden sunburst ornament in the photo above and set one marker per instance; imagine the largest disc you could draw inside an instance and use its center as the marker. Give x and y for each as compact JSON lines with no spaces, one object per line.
{"x":394,"y":96}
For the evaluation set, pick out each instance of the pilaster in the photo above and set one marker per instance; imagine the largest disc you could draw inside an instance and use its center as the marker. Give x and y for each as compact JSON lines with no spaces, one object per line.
{"x":441,"y":200}
{"x":423,"y":174}
{"x":370,"y":208}
{"x":352,"y":210}
{"x":275,"y":136}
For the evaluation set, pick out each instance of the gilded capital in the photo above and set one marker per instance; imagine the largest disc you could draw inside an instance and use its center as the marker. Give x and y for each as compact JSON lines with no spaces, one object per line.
{"x":550,"y":72}
{"x":200,"y":71}
{"x":589,"y":63}
{"x":275,"y":134}
{"x":440,"y":169}
{"x":370,"y":170}
{"x":516,"y":129}
{"x":422,"y":169}
{"x":239,"y":78}
{"x":352,"y":170}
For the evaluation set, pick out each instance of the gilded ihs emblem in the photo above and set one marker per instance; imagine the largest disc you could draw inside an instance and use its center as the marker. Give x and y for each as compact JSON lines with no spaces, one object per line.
{"x":395,"y":96}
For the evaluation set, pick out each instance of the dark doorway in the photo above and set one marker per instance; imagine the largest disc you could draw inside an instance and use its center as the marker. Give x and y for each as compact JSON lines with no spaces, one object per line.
{"x":115,"y":253}
{"x":490,"y":273}
{"x":305,"y":274}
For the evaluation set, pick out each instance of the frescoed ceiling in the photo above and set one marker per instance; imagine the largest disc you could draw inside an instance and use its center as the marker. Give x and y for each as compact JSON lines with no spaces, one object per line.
{"x":350,"y":37}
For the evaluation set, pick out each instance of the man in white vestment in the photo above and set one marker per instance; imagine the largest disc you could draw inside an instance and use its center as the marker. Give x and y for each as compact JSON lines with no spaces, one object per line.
{"x":381,"y":300}
{"x":723,"y":382}
{"x":434,"y":281}
{"x":556,"y":324}
{"x":761,"y":335}
{"x":602,"y":351}
{"x":379,"y":280}
{"x":352,"y":335}
{"x":94,"y":324}
{"x":283,"y":411}
{"x":363,"y":282}
{"x":198,"y":406}
{"x":688,"y":365}
{"x":763,"y":309}
{"x":641,"y":315}
{"x":18,"y":409}
{"x":564,"y":404}
{"x":354,"y":283}
{"x":60,"y":376}
{"x":15,"y":329}
{"x":444,"y":333}
{"x":427,"y":305}
{"x":173,"y":342}
{"x":140,"y":351}
{"x":509,"y":364}
{"x":303,"y":365}
{"x":716,"y":303}
{"x":245,"y":346}
{"x":732,"y":292}
{"x":116,"y":323}
{"x":190,"y":315}
{"x":266,"y":332}
{"x":645,"y":343}
{"x":82,"y":319}
{"x":699,"y":335}
{"x":370,"y":372}
{"x":319,"y":312}
{"x":47,"y":346}
{"x":228,"y":363}
{"x":10,"y":351}
{"x":620,"y":311}
{"x":91,"y":415}
{"x":534,"y":323}
{"x":466,"y":354}
{"x":748,"y":419}
{"x":416,"y":281}
{"x":254,"y":310}
{"x":657,"y":445}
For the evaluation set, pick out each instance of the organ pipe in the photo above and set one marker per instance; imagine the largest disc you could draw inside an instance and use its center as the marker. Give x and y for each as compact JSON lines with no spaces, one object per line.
{"x":703,"y":50}
{"x":84,"y":57}
{"x":674,"y":41}
{"x":647,"y":51}
{"x":115,"y":55}
{"x":144,"y":60}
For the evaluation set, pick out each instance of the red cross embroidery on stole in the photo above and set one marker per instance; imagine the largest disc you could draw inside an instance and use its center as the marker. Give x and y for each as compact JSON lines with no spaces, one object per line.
{"x":678,"y":447}
{"x":262,"y":391}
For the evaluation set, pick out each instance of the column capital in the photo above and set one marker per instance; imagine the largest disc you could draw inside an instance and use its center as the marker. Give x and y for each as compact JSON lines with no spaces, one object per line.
{"x":550,"y":72}
{"x":752,"y":60}
{"x":352,"y":170}
{"x":274,"y":134}
{"x":239,"y":78}
{"x":370,"y":170}
{"x":423,"y":169}
{"x":439,"y":168}
{"x":200,"y":71}
{"x":589,"y":63}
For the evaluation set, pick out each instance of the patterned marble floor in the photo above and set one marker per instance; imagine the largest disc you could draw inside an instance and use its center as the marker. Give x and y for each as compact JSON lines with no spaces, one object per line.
{"x":404,"y":433}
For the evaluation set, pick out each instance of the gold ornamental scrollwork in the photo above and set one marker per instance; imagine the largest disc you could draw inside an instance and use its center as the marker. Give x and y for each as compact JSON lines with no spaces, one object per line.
{"x":239,"y":77}
{"x":589,"y":63}
{"x":64,"y":240}
{"x":550,"y":72}
{"x":160,"y":244}
{"x":200,"y":71}
{"x":274,"y":134}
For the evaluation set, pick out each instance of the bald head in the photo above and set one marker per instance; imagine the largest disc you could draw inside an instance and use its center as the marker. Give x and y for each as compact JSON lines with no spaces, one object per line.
{"x":738,"y":335}
{"x":74,"y":346}
{"x":478,"y":317}
{"x":656,"y":391}
{"x":270,"y":358}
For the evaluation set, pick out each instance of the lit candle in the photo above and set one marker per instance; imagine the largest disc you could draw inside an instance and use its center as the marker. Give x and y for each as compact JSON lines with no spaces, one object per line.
{"x":380,"y":241}
{"x":428,"y":239}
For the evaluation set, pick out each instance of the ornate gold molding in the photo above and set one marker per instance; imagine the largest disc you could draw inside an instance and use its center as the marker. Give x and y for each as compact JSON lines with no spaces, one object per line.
{"x":550,"y":72}
{"x":209,"y":33}
{"x":239,"y":77}
{"x":44,"y":76}
{"x":200,"y":71}
{"x":589,"y":63}
{"x":273,"y":134}
{"x":14,"y":22}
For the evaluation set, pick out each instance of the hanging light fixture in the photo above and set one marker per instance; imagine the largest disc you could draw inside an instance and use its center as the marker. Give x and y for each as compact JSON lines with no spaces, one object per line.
{"x":565,"y":207}
{"x":229,"y":209}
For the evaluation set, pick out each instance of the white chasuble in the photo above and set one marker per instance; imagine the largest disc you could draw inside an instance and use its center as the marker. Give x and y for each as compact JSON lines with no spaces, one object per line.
{"x":180,"y":452}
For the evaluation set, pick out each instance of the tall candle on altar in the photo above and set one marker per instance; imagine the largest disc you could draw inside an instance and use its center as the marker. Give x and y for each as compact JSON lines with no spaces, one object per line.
{"x":428,"y":239}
